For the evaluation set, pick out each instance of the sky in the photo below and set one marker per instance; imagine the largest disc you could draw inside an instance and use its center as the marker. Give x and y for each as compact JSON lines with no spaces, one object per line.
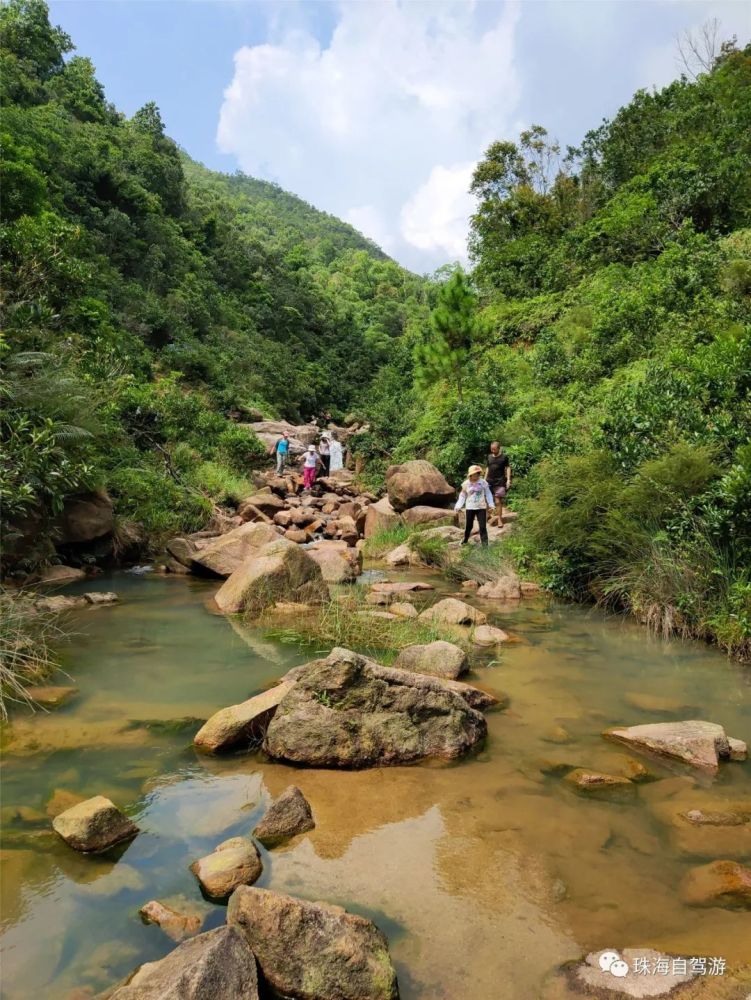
{"x":378,"y":110}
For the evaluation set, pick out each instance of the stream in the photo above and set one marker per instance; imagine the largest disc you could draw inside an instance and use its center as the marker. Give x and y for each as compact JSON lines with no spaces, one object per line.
{"x":485,"y":874}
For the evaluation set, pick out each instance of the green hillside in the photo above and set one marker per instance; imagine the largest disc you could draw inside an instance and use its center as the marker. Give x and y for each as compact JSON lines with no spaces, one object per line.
{"x":146,"y":298}
{"x":609,"y":348}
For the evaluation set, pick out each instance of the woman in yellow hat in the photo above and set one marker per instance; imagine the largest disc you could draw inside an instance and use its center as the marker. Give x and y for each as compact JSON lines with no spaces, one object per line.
{"x":476,"y":497}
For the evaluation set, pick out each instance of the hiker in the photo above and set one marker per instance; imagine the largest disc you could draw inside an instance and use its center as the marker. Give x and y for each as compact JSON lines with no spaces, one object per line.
{"x":498,"y":475}
{"x":281,"y":450}
{"x":325,"y":452}
{"x":476,"y":497}
{"x":336,"y":460}
{"x":310,"y":460}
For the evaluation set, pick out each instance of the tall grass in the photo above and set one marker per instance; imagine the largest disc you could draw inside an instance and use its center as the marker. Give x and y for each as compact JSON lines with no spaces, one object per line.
{"x":346,"y":623}
{"x":383,"y":542}
{"x":26,"y":658}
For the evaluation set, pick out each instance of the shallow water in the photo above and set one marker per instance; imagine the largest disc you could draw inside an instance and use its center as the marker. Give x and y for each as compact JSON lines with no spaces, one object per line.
{"x":485,"y":874}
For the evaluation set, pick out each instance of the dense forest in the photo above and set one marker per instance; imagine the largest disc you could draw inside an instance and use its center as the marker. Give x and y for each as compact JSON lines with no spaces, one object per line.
{"x":603,"y":333}
{"x":146,"y":298}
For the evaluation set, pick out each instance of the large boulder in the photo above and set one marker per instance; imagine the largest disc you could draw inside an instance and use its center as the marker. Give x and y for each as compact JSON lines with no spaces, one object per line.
{"x":451,"y":611}
{"x":417,"y":483}
{"x":243,"y":724}
{"x":234,"y":862}
{"x":721,"y":883}
{"x":226,"y":553}
{"x":217,"y":965}
{"x":338,"y":561}
{"x":427,"y":515}
{"x":380,"y":517}
{"x":286,"y":817}
{"x":183,"y":550}
{"x":280,"y":571}
{"x":346,"y":711}
{"x":313,"y":951}
{"x":85,"y":517}
{"x":442,"y":659}
{"x":696,"y":742}
{"x":95,"y":824}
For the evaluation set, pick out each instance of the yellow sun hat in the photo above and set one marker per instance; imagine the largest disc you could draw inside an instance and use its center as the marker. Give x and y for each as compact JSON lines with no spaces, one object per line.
{"x":473,"y":469}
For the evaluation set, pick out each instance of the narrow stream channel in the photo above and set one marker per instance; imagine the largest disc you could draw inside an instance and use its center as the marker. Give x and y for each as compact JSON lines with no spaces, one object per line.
{"x":484,"y":874}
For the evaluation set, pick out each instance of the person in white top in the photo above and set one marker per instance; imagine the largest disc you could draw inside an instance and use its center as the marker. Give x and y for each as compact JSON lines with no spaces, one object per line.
{"x":324,"y":450}
{"x":337,"y":453}
{"x":477,"y":498}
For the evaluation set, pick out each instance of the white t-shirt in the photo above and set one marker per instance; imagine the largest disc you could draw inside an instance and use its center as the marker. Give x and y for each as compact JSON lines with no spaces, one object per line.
{"x":311,"y":459}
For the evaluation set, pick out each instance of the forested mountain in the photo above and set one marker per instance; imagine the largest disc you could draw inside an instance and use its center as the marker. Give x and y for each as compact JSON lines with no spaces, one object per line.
{"x":610,"y":351}
{"x":145,"y":298}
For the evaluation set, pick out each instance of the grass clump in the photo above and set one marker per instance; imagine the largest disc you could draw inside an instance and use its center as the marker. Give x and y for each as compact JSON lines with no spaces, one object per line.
{"x":343,"y":623}
{"x":382,"y":542}
{"x":26,"y":657}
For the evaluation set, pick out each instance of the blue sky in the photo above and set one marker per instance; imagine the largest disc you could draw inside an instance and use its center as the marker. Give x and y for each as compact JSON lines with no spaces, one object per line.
{"x":377,"y":110}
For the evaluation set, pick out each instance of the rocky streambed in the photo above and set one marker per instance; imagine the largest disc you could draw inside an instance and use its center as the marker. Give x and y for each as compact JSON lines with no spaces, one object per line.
{"x":487,"y":819}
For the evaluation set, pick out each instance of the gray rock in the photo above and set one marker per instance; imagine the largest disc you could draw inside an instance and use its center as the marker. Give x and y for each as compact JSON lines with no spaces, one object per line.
{"x":442,"y":659}
{"x":95,"y":824}
{"x":348,"y":712}
{"x":234,"y":862}
{"x":241,"y":724}
{"x":451,"y":611}
{"x":227,"y":553}
{"x":324,"y":952}
{"x":217,"y":965}
{"x":280,"y":571}
{"x":698,"y":743}
{"x":286,"y":817}
{"x":380,"y":517}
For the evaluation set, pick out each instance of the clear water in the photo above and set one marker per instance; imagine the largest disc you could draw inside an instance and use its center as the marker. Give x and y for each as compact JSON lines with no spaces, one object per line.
{"x":484,"y":874}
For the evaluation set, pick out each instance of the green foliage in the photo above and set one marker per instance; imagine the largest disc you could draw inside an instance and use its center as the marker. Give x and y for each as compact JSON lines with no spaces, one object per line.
{"x":445,"y":353}
{"x":613,"y":354}
{"x":167,"y":297}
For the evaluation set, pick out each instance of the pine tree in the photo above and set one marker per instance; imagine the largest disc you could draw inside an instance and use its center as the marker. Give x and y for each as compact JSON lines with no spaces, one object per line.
{"x":453,"y":327}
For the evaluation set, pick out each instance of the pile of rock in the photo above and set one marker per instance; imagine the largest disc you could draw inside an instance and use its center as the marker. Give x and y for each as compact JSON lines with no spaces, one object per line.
{"x":331,"y":519}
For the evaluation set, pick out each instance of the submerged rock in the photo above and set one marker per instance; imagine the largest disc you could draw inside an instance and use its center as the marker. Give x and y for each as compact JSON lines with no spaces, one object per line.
{"x":698,"y":743}
{"x":703,"y":825}
{"x":721,"y":883}
{"x":279,"y":571}
{"x":451,"y":611}
{"x":234,"y":862}
{"x":58,"y":603}
{"x":655,"y":703}
{"x":95,"y":824}
{"x":50,"y":695}
{"x":217,"y":965}
{"x":346,"y":711}
{"x":322,"y":953}
{"x":597,"y":783}
{"x":243,"y":724}
{"x":442,"y":659}
{"x":286,"y":817}
{"x":400,"y":587}
{"x":417,"y":483}
{"x":175,"y":925}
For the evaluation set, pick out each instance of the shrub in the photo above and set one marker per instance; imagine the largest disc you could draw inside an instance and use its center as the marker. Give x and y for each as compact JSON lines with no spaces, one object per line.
{"x":26,"y":657}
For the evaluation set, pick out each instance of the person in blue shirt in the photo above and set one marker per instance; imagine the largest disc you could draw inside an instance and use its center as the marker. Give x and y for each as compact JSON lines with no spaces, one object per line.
{"x":477,"y":498}
{"x":281,"y":450}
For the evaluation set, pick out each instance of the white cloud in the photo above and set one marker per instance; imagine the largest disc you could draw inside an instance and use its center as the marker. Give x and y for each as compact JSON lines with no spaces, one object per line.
{"x":383,"y":124}
{"x":435,"y":217}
